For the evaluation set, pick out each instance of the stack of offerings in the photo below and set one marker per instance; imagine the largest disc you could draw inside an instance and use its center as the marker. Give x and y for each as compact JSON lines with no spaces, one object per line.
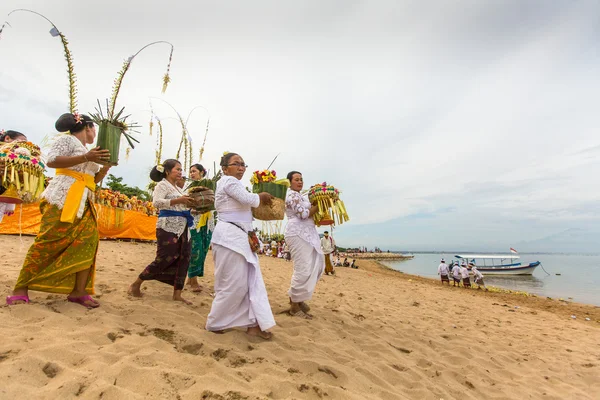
{"x":21,"y":172}
{"x":266,"y":181}
{"x":331,"y":207}
{"x":203,"y":194}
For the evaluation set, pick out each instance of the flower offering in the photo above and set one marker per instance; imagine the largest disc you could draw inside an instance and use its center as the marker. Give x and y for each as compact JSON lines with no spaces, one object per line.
{"x":327,"y":197}
{"x":22,"y":170}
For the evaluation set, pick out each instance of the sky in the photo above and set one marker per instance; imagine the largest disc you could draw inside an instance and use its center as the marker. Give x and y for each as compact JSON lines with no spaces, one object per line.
{"x":446,"y":125}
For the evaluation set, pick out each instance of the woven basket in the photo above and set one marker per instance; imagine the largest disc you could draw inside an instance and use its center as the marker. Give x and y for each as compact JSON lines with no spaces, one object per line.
{"x":109,"y":138}
{"x":204,"y":200}
{"x":275,"y":211}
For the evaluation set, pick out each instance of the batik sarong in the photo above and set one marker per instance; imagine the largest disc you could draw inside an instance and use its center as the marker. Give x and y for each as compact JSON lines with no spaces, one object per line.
{"x":200,"y":244}
{"x":328,"y":266}
{"x":60,"y":250}
{"x":172,"y":259}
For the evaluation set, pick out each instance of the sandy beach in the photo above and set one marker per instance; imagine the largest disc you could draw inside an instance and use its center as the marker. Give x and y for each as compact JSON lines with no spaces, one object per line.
{"x":377,"y":334}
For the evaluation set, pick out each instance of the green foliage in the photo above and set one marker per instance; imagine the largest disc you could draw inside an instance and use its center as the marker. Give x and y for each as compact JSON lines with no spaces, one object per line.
{"x":116,"y":184}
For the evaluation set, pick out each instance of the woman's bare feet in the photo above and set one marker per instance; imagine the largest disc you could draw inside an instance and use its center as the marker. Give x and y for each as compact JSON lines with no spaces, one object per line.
{"x":256,"y":332}
{"x":304,"y":307}
{"x":135,"y":289}
{"x":177,"y":297}
{"x":193,"y":282}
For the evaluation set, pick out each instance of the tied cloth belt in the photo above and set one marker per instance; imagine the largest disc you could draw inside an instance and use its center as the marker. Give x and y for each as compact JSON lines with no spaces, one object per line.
{"x":76,"y":192}
{"x":185,"y":214}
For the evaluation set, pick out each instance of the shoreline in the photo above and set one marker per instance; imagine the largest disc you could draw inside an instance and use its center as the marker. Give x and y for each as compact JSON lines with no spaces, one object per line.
{"x":563,"y":307}
{"x":377,"y":256}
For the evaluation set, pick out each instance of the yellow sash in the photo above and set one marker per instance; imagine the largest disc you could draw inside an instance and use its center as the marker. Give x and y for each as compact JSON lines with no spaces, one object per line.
{"x":203,"y":220}
{"x":75,"y":193}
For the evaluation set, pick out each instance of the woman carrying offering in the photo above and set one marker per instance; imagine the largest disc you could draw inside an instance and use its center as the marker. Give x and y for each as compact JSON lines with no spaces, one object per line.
{"x":240,"y":294}
{"x":62,"y":259}
{"x":12,"y":136}
{"x":174,"y":218}
{"x":303,"y":240}
{"x":200,"y":237}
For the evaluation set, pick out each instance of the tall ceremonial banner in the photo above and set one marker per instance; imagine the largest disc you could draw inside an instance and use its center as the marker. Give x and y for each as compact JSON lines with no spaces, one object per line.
{"x":113,"y":223}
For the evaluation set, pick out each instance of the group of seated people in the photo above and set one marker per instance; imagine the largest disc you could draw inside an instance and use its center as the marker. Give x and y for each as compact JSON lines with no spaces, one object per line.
{"x":337,"y":262}
{"x":275,"y":249}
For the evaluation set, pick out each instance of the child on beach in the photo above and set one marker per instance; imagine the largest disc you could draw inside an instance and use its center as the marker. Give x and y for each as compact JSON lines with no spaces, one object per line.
{"x":478,"y":276}
{"x":464,"y":272}
{"x":443,"y":272}
{"x":456,"y":275}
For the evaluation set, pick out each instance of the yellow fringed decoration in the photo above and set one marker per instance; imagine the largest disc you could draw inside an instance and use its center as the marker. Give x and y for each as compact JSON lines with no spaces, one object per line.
{"x":331,"y":209}
{"x":26,"y":181}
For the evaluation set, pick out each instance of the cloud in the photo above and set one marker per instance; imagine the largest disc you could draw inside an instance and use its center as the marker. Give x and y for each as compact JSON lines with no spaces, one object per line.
{"x":426,"y":115}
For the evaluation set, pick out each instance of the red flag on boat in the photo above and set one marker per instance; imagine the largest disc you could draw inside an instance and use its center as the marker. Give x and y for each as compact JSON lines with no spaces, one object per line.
{"x":513,"y":251}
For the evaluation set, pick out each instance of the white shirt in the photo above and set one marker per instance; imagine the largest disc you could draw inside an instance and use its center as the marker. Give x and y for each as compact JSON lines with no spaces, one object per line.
{"x":327,"y":245}
{"x":162,"y":195}
{"x":232,"y":196}
{"x":443,"y":269}
{"x":297,"y":208}
{"x":464,"y":272}
{"x":56,"y":192}
{"x":476,"y":273}
{"x":456,"y":271}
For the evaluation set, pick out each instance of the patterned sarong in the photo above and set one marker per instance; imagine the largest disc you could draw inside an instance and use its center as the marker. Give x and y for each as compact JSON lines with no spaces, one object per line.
{"x":328,"y":266}
{"x":200,"y":244}
{"x":60,"y":250}
{"x":172,"y":259}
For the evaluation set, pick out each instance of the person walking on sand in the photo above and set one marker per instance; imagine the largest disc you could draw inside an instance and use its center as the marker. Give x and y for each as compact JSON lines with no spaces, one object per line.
{"x":172,"y":232}
{"x":478,"y":277}
{"x":464,"y":272}
{"x":62,"y":259}
{"x":456,"y":275}
{"x":303,"y":240}
{"x":328,"y":247}
{"x":200,"y":236}
{"x":240,"y":295}
{"x":443,"y":272}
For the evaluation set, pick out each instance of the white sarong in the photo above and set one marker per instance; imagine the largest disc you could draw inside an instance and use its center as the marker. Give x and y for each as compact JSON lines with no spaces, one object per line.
{"x":240,"y":294}
{"x":308,"y":268}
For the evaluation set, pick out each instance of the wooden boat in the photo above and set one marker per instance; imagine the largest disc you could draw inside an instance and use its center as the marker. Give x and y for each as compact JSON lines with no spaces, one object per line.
{"x":499,"y":264}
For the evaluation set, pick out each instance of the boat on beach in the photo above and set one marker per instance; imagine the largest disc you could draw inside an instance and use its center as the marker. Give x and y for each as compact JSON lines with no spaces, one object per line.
{"x":499,"y":264}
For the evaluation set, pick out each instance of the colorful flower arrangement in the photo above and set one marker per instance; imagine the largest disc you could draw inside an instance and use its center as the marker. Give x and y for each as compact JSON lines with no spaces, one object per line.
{"x":328,"y":199}
{"x":21,"y":165}
{"x":263,"y":176}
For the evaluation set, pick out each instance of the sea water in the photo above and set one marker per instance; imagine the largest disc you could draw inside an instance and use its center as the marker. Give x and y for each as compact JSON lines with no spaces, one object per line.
{"x":569,"y":276}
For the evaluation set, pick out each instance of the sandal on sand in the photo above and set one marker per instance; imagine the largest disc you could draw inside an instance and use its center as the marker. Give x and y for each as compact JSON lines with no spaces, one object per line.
{"x":197,"y":289}
{"x":82,"y":300}
{"x":11,"y":300}
{"x":301,"y":314}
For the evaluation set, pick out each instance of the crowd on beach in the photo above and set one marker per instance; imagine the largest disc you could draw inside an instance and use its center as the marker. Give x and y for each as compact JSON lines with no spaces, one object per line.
{"x":62,"y":258}
{"x":460,"y":273}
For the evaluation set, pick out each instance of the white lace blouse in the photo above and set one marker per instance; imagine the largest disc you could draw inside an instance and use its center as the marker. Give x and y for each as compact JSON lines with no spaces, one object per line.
{"x":163,"y":193}
{"x":56,"y":192}
{"x":297,"y":208}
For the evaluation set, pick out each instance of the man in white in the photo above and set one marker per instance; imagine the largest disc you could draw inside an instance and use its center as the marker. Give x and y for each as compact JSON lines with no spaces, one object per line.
{"x":456,"y":274}
{"x":443,"y":271}
{"x":464,"y":272}
{"x":328,"y":247}
{"x":478,"y":278}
